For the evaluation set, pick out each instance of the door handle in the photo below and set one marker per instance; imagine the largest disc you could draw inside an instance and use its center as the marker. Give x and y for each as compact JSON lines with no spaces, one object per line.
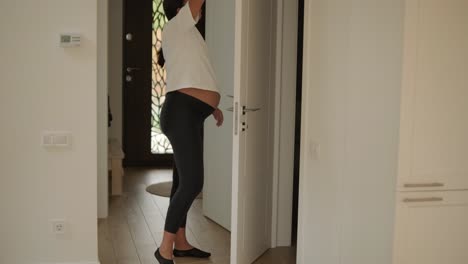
{"x":236,"y":118}
{"x":423,"y":185}
{"x":230,"y":109}
{"x":246,"y":110}
{"x":130,"y":69}
{"x":129,"y":37}
{"x":427,"y":199}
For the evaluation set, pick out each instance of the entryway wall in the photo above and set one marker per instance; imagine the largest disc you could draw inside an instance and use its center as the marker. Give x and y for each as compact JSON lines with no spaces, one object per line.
{"x":102,"y":114}
{"x":351,"y":116}
{"x":115,"y":66}
{"x":110,"y":24}
{"x":46,"y":87}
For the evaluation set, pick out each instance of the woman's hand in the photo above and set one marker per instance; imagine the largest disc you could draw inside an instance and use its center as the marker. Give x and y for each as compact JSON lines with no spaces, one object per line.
{"x":218,"y":116}
{"x":195,"y":7}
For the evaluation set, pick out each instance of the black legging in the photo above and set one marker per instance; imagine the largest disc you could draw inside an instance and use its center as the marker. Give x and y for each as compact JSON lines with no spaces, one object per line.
{"x":182,"y":119}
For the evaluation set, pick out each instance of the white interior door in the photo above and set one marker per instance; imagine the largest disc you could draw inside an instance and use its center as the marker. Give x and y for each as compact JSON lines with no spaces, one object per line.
{"x":252,"y":174}
{"x":218,"y":141}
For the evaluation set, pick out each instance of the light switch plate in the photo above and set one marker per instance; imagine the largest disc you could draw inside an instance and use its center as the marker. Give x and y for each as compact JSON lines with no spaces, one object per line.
{"x":56,"y":139}
{"x":68,"y":40}
{"x":314,"y":150}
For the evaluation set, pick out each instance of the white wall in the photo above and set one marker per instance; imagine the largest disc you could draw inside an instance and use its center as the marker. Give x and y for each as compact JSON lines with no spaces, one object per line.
{"x":115,"y":66}
{"x":42,"y":87}
{"x":102,"y":111}
{"x":352,"y":82}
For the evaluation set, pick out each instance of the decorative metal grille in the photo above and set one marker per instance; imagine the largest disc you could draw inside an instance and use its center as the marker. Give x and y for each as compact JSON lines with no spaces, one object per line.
{"x":159,"y":143}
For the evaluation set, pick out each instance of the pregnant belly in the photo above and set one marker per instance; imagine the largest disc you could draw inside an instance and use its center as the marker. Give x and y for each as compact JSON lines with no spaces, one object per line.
{"x":210,"y":97}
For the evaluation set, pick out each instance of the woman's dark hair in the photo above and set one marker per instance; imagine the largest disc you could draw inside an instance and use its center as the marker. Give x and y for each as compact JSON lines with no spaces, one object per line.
{"x":170,"y":9}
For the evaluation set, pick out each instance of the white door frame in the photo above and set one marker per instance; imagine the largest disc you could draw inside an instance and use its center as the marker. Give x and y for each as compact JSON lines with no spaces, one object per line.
{"x":285,"y":113}
{"x":283,"y":156}
{"x":102,"y":91}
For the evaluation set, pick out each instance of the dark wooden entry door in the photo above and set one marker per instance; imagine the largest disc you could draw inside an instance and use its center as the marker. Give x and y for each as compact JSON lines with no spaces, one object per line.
{"x":144,"y":84}
{"x":141,"y":134}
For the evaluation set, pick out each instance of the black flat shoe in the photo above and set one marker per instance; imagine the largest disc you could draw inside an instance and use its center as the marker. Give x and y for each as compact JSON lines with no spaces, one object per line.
{"x":162,"y":260}
{"x":194,"y":253}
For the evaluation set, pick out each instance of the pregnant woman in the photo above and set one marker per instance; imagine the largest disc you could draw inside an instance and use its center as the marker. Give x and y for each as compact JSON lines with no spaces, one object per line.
{"x":191,"y":97}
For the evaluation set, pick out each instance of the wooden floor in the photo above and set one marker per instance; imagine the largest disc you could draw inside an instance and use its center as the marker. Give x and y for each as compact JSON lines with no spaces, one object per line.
{"x":134,"y":228}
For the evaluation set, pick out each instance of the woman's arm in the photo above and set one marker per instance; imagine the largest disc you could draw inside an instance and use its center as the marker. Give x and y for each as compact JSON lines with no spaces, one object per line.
{"x":218,"y":116}
{"x":195,"y":7}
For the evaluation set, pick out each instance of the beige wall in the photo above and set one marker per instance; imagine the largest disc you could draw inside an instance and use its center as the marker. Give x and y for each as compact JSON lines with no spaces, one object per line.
{"x":352,"y":83}
{"x":46,"y":87}
{"x":102,"y":91}
{"x":115,"y":66}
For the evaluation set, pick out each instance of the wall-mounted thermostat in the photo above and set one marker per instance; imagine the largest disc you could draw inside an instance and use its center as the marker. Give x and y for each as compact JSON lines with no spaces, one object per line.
{"x":70,"y":40}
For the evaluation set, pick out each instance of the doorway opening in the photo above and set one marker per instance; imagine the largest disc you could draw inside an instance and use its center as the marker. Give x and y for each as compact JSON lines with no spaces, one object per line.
{"x":144,"y":84}
{"x":297,"y":134}
{"x":135,"y":225}
{"x":136,"y":219}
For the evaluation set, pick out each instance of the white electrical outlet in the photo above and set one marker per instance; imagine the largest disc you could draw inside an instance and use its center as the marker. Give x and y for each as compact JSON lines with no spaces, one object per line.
{"x":59,"y":226}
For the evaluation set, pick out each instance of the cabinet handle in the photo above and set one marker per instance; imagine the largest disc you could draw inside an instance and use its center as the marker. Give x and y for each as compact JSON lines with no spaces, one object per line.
{"x":422,"y":185}
{"x":427,"y":199}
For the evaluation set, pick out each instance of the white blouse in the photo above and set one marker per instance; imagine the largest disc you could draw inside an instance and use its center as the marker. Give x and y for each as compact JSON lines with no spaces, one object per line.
{"x":186,"y":54}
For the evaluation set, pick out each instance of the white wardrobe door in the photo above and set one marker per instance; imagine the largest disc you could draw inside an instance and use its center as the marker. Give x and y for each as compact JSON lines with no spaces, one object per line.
{"x":434,"y":127}
{"x":432,"y":228}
